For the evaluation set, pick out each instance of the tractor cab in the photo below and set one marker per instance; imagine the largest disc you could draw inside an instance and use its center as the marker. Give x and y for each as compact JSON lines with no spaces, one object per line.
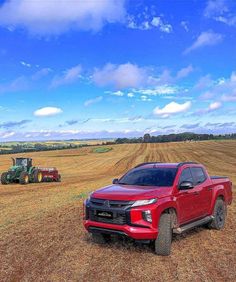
{"x":22,"y":162}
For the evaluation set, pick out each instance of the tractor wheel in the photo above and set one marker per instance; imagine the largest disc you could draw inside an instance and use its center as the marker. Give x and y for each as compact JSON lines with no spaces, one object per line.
{"x":37,"y":176}
{"x":4,"y":179}
{"x":59,"y":178}
{"x":24,"y":178}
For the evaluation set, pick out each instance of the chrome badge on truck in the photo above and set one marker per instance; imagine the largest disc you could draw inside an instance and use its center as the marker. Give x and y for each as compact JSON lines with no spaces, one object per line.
{"x":104,"y":214}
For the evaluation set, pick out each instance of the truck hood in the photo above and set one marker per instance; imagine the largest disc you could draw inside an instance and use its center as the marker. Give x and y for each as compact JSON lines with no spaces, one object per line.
{"x":131,"y":192}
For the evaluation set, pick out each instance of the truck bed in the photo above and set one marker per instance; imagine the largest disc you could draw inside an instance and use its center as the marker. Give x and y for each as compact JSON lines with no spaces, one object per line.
{"x":223,"y":181}
{"x":218,"y":177}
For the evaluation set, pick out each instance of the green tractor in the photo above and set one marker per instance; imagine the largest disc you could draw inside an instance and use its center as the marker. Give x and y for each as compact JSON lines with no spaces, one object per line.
{"x":22,"y":172}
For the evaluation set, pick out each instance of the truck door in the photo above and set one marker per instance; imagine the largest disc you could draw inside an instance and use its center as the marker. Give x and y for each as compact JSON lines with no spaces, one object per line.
{"x":186,"y":199}
{"x":203,"y":186}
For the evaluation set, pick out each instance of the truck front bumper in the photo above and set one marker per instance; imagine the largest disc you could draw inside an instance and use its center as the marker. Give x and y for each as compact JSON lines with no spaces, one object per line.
{"x":137,"y":233}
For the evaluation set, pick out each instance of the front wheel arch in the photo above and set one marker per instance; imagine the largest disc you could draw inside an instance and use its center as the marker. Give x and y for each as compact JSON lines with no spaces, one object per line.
{"x":174,"y":216}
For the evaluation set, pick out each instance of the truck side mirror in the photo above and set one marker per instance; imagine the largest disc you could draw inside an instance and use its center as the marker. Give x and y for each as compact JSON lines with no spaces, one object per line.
{"x":115,"y":181}
{"x":185,"y":185}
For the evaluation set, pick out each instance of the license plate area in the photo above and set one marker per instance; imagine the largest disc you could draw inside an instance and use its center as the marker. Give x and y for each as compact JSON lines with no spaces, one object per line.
{"x":104,"y":214}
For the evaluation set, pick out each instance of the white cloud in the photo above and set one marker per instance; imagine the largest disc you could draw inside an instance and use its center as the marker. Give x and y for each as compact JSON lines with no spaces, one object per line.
{"x":172,"y":108}
{"x":204,"y":82}
{"x":41,"y":73}
{"x":214,"y":106}
{"x":218,"y":10}
{"x":159,"y":90}
{"x":25,"y":64}
{"x":145,"y":98}
{"x":46,"y":17}
{"x":184,"y":24}
{"x":147,"y":22}
{"x":120,"y":76}
{"x":130,"y":95}
{"x":93,"y":101}
{"x":223,"y":89}
{"x":118,"y":93}
{"x":164,"y":27}
{"x":19,"y":84}
{"x":7,"y":134}
{"x":184,"y":72}
{"x":214,"y":7}
{"x":206,"y":38}
{"x":47,"y":111}
{"x":166,"y":77}
{"x":70,"y":76}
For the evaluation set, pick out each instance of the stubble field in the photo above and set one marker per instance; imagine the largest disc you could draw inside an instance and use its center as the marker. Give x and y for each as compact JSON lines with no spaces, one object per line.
{"x":42,"y":237}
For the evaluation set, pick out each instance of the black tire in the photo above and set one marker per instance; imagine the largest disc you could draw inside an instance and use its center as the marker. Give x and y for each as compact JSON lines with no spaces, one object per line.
{"x":37,"y":176}
{"x":24,"y":178}
{"x":164,"y":238}
{"x":219,"y":215}
{"x":4,"y":179}
{"x":100,"y":238}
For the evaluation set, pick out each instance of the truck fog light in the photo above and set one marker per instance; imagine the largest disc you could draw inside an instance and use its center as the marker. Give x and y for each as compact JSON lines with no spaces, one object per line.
{"x":147,"y":215}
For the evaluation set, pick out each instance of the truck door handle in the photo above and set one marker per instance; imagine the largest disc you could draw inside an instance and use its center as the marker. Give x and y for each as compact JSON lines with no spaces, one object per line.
{"x":209,"y":189}
{"x":196,"y":193}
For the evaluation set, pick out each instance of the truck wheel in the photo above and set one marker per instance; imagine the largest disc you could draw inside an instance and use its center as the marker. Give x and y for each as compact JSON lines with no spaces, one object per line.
{"x":24,"y":178}
{"x":37,"y":176}
{"x":164,"y":238}
{"x":4,"y":179}
{"x":219,"y":214}
{"x":100,"y":238}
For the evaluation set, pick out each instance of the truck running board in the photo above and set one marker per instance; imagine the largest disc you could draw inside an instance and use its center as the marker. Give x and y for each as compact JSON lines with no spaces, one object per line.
{"x":191,"y":225}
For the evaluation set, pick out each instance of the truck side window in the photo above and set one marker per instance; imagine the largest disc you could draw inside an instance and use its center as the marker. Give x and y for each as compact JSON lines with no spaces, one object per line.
{"x":186,"y":176}
{"x":198,"y":175}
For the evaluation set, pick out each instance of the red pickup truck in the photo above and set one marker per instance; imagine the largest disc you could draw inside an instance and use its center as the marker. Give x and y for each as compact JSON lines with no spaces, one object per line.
{"x":154,"y":200}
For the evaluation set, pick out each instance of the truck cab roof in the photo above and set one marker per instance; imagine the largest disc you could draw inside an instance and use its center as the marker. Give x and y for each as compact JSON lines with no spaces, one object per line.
{"x":159,"y":164}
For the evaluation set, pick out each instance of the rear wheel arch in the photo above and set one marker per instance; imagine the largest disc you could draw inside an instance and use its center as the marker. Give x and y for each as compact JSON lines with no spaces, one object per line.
{"x":220,"y":197}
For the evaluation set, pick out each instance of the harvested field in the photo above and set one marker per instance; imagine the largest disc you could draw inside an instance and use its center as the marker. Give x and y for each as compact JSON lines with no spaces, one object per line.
{"x":41,"y":232}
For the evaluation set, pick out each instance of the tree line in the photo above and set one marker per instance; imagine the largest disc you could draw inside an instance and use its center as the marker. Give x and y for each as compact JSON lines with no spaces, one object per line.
{"x":24,"y":148}
{"x":185,"y":136}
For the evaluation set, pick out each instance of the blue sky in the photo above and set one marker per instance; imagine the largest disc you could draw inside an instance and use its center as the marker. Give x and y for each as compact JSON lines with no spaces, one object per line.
{"x":111,"y":68}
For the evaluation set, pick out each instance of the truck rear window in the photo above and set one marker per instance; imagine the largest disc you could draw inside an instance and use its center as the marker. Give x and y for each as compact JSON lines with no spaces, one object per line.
{"x":149,"y":177}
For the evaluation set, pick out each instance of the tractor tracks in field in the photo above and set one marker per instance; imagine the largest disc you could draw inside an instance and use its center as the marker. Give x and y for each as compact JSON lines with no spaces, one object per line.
{"x":130,"y":160}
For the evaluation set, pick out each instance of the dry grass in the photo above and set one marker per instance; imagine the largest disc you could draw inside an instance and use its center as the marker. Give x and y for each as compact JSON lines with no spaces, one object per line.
{"x":41,"y":232}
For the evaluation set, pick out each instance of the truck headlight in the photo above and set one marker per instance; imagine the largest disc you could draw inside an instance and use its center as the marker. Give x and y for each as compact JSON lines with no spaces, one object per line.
{"x":89,"y":195}
{"x":143,"y":202}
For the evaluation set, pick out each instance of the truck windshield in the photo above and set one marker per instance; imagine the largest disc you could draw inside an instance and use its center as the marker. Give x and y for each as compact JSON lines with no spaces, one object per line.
{"x":149,"y":177}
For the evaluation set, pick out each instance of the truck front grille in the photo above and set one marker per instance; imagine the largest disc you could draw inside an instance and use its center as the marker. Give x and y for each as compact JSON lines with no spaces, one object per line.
{"x":117,"y":218}
{"x":108,"y":211}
